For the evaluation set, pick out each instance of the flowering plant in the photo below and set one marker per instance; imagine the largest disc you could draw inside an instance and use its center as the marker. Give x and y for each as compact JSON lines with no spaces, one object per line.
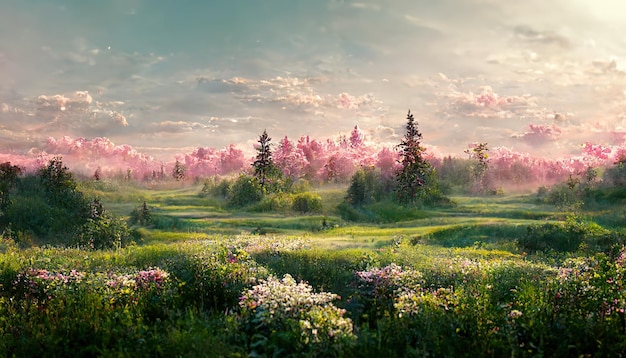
{"x":284,"y":315}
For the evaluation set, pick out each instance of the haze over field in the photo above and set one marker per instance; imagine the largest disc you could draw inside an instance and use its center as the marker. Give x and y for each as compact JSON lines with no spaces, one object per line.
{"x":166,"y":77}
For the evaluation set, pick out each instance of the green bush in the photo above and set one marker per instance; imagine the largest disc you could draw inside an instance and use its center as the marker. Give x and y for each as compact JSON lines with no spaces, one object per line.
{"x":244,"y":191}
{"x":103,"y":233}
{"x":47,"y":208}
{"x":307,"y":203}
{"x":283,"y":317}
{"x":141,"y":216}
{"x":218,"y":188}
{"x":278,"y":202}
{"x":570,"y":236}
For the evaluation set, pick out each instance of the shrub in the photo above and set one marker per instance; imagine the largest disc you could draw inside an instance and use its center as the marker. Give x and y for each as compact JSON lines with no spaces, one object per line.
{"x":216,"y":188}
{"x":362,"y":187}
{"x":244,"y":191}
{"x":367,"y":186}
{"x":285,"y":317}
{"x":274,"y":202}
{"x":213,"y":280}
{"x":349,"y":213}
{"x":377,"y":289}
{"x":569,"y":236}
{"x":141,"y":216}
{"x":105,"y":232}
{"x":48,"y":207}
{"x":307,"y":203}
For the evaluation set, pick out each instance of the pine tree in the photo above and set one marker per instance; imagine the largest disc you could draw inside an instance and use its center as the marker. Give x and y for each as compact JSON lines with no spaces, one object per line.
{"x":356,"y":138}
{"x":415,"y":179}
{"x":179,"y":171}
{"x":263,"y":165}
{"x":363,"y":187}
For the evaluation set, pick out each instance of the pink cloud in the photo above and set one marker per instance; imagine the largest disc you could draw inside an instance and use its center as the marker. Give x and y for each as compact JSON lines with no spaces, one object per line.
{"x":347,"y":101}
{"x":540,"y":133}
{"x":291,"y":91}
{"x":488,"y":104}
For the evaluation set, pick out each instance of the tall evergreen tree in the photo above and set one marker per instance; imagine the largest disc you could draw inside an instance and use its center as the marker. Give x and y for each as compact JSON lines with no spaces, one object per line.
{"x":415,"y":179}
{"x":263,"y":165}
{"x":179,"y":171}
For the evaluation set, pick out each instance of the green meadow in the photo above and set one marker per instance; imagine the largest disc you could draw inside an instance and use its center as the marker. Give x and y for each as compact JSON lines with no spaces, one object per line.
{"x":489,"y":276}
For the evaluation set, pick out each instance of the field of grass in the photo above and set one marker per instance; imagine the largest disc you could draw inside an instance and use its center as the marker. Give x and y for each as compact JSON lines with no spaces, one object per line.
{"x":204,"y":280}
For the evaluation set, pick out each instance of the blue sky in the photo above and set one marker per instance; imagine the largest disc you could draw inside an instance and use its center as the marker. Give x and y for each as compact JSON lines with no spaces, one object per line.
{"x":165,"y":76}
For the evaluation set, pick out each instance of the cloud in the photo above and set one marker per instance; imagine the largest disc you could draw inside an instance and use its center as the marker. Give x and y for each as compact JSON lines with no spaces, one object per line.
{"x":529,"y":35}
{"x":292,"y":92}
{"x":368,"y":6}
{"x":487,"y":104}
{"x":383,"y":135}
{"x":539,"y":134}
{"x":79,"y":101}
{"x":34,"y":118}
{"x":181,"y":126}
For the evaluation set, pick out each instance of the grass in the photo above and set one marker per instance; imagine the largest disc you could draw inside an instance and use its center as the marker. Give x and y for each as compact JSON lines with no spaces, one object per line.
{"x":449,"y":282}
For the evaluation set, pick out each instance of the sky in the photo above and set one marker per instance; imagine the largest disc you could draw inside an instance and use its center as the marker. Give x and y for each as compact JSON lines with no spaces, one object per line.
{"x":165,"y":77}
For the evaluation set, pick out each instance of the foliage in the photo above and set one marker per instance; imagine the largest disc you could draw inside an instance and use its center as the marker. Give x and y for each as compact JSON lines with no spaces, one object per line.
{"x":576,"y":192}
{"x":479,"y":168}
{"x":277,"y":202}
{"x":102,"y":231}
{"x":307,"y":203}
{"x":141,"y":216}
{"x":377,"y":288}
{"x":569,"y":236}
{"x":46,"y":207}
{"x":367,"y":186}
{"x":454,"y":175}
{"x":8,"y":179}
{"x":217,"y":295}
{"x":245,"y":190}
{"x":286,"y":317}
{"x":615,"y":176}
{"x":416,"y":180}
{"x":437,"y":282}
{"x":386,"y":211}
{"x":179,"y":171}
{"x":263,"y":165}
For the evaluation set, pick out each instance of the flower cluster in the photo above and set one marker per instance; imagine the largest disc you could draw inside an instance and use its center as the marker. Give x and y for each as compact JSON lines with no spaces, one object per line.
{"x":43,"y":284}
{"x":595,"y":284}
{"x":152,"y":276}
{"x":273,"y":297}
{"x":40,"y":283}
{"x":383,"y":283}
{"x":120,"y":281}
{"x":45,"y":275}
{"x":277,"y":307}
{"x":411,"y":303}
{"x":515,"y":314}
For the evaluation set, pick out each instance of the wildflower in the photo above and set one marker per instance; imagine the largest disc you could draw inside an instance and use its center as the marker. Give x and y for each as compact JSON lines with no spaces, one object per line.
{"x":515,"y":314}
{"x":151,"y":276}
